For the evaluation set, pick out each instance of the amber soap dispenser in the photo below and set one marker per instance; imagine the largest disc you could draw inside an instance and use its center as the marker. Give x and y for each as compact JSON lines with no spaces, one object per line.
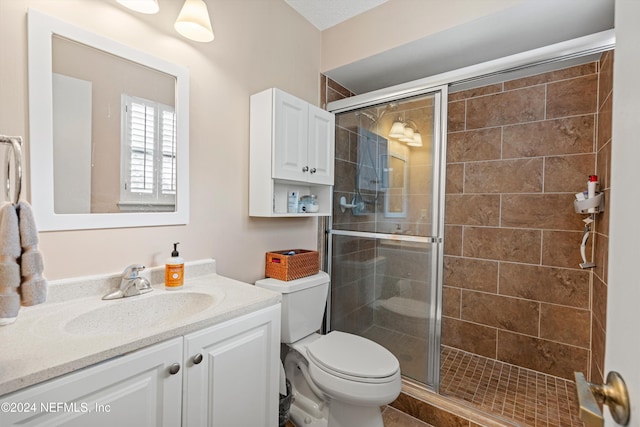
{"x":174,"y":270}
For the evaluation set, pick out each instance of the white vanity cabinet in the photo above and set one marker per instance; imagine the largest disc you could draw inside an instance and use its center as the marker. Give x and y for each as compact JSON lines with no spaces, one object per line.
{"x":232,"y":372}
{"x":292,"y":149}
{"x":233,"y":382}
{"x":136,"y":389}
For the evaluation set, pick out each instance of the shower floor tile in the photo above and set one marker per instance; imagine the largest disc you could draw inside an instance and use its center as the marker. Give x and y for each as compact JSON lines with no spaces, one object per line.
{"x":528,"y":397}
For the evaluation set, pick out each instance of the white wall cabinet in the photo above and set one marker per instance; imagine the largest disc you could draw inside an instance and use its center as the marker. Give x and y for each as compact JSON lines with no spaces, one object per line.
{"x":292,"y":149}
{"x":239,"y":369}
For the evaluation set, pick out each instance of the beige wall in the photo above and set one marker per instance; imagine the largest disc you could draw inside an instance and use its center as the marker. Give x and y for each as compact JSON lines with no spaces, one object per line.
{"x":258,"y":44}
{"x":398,"y":22}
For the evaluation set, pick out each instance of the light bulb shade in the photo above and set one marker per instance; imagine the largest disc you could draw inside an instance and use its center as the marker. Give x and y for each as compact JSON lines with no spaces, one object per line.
{"x":142,"y":6}
{"x":397,"y":130}
{"x":408,"y":134}
{"x":416,"y":141}
{"x":193,"y":21}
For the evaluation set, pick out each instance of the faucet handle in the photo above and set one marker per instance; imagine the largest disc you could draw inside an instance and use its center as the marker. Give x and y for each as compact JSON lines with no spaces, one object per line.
{"x":131,"y":272}
{"x":142,"y":285}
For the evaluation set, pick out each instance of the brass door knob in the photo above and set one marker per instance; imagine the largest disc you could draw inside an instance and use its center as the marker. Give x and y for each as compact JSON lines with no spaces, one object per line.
{"x":614,"y":394}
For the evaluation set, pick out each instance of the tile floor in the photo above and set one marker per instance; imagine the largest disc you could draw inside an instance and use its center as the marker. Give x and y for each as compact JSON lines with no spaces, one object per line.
{"x":528,"y":397}
{"x":392,"y":418}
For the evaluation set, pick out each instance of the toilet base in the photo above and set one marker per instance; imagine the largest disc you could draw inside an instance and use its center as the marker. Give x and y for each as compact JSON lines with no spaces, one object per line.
{"x":302,"y":419}
{"x":339,"y":416}
{"x":311,"y":408}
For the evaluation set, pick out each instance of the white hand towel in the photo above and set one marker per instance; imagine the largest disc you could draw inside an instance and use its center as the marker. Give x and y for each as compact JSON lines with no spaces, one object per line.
{"x":33,"y":288}
{"x":9,"y":268}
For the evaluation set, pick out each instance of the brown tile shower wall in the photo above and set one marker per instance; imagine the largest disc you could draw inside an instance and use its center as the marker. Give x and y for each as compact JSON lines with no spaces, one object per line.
{"x":331,"y":91}
{"x":512,"y":237}
{"x":517,"y":153}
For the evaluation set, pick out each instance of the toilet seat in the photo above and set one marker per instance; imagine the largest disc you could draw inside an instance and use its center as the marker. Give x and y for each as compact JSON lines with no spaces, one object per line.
{"x":353,"y":358}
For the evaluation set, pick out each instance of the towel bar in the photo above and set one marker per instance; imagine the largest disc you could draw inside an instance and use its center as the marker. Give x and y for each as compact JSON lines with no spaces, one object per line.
{"x":15,"y":144}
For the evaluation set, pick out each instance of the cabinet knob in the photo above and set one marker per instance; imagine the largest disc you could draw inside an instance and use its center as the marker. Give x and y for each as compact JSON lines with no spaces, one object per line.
{"x":305,"y":169}
{"x":197,"y":358}
{"x":313,"y":170}
{"x":174,"y":368}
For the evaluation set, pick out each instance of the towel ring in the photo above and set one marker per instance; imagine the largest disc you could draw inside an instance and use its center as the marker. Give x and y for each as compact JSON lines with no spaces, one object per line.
{"x":15,"y":146}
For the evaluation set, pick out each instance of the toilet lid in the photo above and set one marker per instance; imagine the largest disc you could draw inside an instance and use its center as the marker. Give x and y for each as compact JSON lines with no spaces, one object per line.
{"x":353,"y":356}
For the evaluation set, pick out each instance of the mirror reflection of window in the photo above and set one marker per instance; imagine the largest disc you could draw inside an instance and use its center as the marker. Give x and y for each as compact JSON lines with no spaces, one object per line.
{"x":148,"y":162}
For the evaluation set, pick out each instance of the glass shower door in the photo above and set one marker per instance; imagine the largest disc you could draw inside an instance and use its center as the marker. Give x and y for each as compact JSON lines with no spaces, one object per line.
{"x":386,"y":230}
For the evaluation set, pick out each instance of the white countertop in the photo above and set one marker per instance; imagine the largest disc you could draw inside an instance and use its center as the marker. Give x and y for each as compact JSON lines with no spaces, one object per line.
{"x":39,"y":346}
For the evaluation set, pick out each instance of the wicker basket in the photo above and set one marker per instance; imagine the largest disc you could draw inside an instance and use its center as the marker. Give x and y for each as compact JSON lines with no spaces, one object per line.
{"x":290,"y":267}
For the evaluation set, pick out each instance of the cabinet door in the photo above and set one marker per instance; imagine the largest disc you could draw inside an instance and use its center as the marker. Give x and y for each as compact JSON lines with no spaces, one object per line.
{"x":132,"y":390}
{"x":321,"y":146}
{"x":235,"y":380}
{"x":290,"y":137}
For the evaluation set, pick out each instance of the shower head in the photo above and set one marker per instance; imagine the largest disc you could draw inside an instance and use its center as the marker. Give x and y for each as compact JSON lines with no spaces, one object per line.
{"x":367,"y":114}
{"x":374,"y":117}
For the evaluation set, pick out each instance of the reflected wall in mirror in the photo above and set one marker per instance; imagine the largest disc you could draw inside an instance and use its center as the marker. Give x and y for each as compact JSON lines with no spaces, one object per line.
{"x":109,"y":131}
{"x":395,"y":203}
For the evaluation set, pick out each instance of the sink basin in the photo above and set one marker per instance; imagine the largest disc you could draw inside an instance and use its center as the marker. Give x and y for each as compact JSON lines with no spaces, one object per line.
{"x":140,"y":312}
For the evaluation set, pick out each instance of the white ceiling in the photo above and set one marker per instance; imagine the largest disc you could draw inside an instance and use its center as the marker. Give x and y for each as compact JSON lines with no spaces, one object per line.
{"x":528,"y":25}
{"x":327,"y":13}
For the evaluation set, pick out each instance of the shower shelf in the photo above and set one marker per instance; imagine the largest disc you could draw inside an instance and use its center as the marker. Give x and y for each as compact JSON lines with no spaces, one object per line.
{"x":583,"y":206}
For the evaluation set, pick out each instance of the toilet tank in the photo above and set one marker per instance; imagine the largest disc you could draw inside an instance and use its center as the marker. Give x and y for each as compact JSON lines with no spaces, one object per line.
{"x":303,"y":303}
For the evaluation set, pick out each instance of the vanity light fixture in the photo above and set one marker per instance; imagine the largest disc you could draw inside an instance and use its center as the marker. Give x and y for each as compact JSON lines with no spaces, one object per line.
{"x":142,"y":6}
{"x":407,"y":132}
{"x":193,"y":21}
{"x":416,"y":141}
{"x":397,"y":129}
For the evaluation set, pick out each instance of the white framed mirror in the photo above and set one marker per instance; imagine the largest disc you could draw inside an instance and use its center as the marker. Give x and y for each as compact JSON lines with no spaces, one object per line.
{"x":108,"y":131}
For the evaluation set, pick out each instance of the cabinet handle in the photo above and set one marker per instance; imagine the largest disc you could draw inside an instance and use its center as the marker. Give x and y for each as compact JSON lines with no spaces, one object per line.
{"x":313,"y":170}
{"x":197,"y":358}
{"x":305,"y":168}
{"x":174,"y":368}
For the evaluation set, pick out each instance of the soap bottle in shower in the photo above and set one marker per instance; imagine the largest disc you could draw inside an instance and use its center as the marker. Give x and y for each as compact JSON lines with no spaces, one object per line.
{"x":591,"y":190}
{"x":174,"y":270}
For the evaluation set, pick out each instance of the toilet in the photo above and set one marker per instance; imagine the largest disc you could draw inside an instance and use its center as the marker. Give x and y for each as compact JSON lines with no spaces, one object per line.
{"x":337,"y":379}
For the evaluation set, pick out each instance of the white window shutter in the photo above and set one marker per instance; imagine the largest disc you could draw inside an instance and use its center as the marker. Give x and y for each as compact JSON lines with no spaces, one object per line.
{"x":148,"y":159}
{"x":142,"y":143}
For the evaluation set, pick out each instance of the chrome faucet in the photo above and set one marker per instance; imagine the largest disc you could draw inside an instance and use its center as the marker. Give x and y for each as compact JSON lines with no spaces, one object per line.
{"x":131,"y":284}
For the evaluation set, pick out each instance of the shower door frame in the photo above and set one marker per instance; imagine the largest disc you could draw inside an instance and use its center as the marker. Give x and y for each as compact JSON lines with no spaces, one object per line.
{"x":436,"y":239}
{"x":459,"y":79}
